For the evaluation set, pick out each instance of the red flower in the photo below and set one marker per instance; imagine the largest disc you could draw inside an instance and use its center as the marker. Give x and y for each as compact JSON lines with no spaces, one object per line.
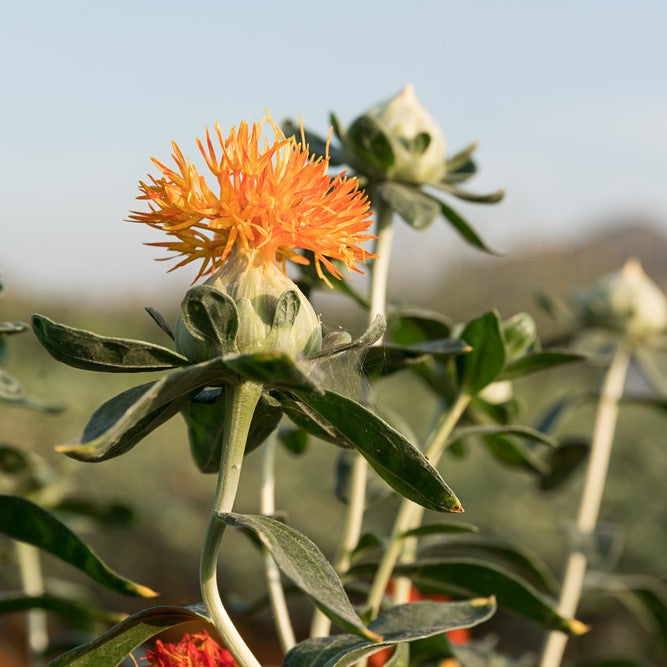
{"x":460,"y":636}
{"x":197,"y":650}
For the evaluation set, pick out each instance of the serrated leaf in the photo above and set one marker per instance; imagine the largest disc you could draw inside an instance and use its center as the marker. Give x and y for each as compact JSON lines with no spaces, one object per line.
{"x":484,"y":363}
{"x":538,"y":361}
{"x":118,"y":642}
{"x":211,"y":315}
{"x":403,"y":623}
{"x":274,"y":369}
{"x":206,"y":423}
{"x":75,"y":613}
{"x":89,"y":351}
{"x":120,"y":423}
{"x":303,"y":563}
{"x":466,"y":576}
{"x":416,"y":208}
{"x":22,"y":520}
{"x":391,"y":455}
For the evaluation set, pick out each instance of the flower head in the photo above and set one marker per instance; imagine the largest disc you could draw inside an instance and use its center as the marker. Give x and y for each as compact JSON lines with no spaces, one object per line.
{"x":267,"y":203}
{"x":197,"y":650}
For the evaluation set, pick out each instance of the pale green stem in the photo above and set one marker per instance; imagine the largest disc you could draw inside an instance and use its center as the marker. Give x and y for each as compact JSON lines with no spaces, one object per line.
{"x":274,"y":584}
{"x":591,"y":498}
{"x":240,"y":403}
{"x":410,"y":514}
{"x":357,"y":500}
{"x":32,"y":583}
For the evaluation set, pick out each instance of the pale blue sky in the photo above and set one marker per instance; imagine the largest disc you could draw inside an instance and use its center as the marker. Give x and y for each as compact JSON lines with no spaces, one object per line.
{"x":568,"y":101}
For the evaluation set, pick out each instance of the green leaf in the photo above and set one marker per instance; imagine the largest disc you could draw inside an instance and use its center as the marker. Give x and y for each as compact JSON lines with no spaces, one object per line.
{"x":391,"y":455}
{"x":160,"y":320}
{"x":495,"y":429}
{"x":408,"y":326}
{"x":206,"y":422}
{"x":400,"y":624}
{"x":311,"y":422}
{"x":89,"y":351}
{"x":520,"y":334}
{"x":461,"y":159}
{"x":304,"y":564}
{"x":274,"y":369}
{"x":107,"y":513}
{"x":538,"y":361}
{"x":463,"y":227}
{"x":370,"y":144}
{"x":382,"y":360}
{"x":484,"y":363}
{"x":22,"y":520}
{"x":515,"y":453}
{"x":210,"y":315}
{"x":468,"y":576}
{"x":294,"y":440}
{"x":491,"y":198}
{"x":440,"y":528}
{"x":120,"y":423}
{"x":316,"y":144}
{"x":73,"y":612}
{"x":118,"y":642}
{"x":416,"y":208}
{"x":374,"y":332}
{"x":563,"y":461}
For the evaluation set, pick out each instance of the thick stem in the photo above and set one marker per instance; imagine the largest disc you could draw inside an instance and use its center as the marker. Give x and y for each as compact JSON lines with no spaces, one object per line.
{"x":591,"y":498}
{"x":410,"y":514}
{"x":273,"y":581}
{"x":240,"y":403}
{"x":357,"y":501}
{"x":32,"y":583}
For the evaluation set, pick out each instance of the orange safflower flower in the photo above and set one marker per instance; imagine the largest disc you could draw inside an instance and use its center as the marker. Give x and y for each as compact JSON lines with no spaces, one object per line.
{"x":197,"y":650}
{"x":268,"y":203}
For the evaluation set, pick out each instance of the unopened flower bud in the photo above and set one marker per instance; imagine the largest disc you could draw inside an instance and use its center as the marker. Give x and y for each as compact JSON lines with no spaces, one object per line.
{"x":626,"y":300}
{"x":416,"y":140}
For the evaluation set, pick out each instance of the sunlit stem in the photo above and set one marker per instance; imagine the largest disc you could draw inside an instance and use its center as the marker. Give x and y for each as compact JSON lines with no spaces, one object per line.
{"x":359,"y":474}
{"x":591,"y":498}
{"x":32,"y":583}
{"x":410,"y":514}
{"x":240,"y":403}
{"x":268,"y":507}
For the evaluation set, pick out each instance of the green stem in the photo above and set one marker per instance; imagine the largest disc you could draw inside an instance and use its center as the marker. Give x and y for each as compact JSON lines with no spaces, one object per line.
{"x":32,"y":583}
{"x":240,"y":403}
{"x":591,"y":498}
{"x":410,"y":514}
{"x":357,"y":501}
{"x":274,"y":584}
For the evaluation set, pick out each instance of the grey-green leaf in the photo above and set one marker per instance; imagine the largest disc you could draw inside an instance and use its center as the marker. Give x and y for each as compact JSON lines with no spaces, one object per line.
{"x":27,"y":522}
{"x":400,"y":624}
{"x":391,"y":455}
{"x":111,"y":648}
{"x":120,"y":423}
{"x":416,"y":208}
{"x":538,"y":361}
{"x":484,"y":363}
{"x":303,"y":563}
{"x":90,"y":351}
{"x":211,"y":316}
{"x":463,"y":227}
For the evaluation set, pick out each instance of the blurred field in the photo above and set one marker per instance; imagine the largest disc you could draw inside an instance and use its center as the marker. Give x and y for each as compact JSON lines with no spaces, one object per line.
{"x":172,"y":498}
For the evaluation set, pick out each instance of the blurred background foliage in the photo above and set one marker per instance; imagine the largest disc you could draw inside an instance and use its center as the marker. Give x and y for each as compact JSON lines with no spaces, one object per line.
{"x":172,"y":498}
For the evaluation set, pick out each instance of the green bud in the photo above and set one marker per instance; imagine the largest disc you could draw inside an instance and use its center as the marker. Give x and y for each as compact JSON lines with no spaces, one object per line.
{"x":268,"y":313}
{"x":627,"y":301}
{"x":399,"y":140}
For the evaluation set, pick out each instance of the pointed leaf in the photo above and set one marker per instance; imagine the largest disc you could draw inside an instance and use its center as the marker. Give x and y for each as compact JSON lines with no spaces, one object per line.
{"x":391,"y":455}
{"x":22,"y":520}
{"x":466,"y":576}
{"x":497,"y":429}
{"x":462,"y":158}
{"x":515,"y":453}
{"x":490,"y":198}
{"x":403,"y":623}
{"x":118,"y":642}
{"x":274,"y":369}
{"x":538,"y":361}
{"x":483,"y":364}
{"x":374,"y":332}
{"x":120,"y":423}
{"x":408,"y":326}
{"x":463,"y":227}
{"x":160,"y":320}
{"x":304,"y":564}
{"x":89,"y":351}
{"x":73,"y":612}
{"x":416,"y":208}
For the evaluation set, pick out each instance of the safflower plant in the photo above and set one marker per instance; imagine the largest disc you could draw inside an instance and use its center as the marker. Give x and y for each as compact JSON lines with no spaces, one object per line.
{"x":249,"y":354}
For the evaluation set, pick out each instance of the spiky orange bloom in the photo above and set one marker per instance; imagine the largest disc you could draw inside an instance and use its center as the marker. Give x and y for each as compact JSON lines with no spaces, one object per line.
{"x":197,"y":650}
{"x":269,"y":202}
